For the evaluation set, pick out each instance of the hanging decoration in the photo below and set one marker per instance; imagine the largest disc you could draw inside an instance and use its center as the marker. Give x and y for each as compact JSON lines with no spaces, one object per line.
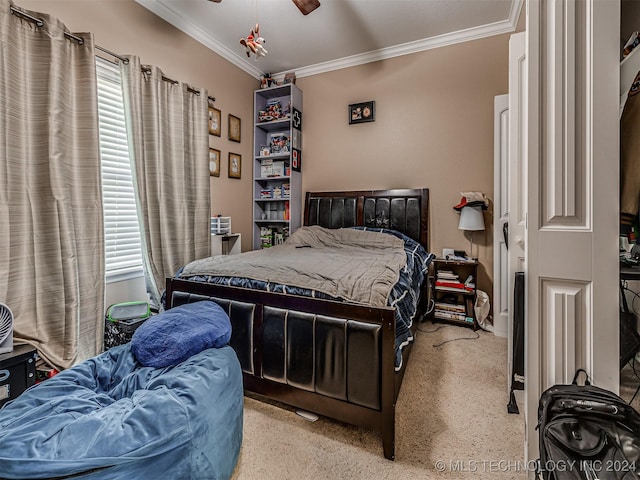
{"x":253,"y":43}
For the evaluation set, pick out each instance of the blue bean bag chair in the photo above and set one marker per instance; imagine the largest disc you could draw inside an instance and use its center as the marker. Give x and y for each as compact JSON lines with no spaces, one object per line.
{"x":112,"y":417}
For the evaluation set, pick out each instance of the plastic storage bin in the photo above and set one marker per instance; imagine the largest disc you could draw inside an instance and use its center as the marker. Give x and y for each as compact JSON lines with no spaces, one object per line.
{"x":122,"y":320}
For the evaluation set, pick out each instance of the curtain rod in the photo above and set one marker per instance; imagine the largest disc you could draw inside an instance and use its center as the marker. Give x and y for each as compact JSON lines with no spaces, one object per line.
{"x":124,"y":60}
{"x":39,"y":22}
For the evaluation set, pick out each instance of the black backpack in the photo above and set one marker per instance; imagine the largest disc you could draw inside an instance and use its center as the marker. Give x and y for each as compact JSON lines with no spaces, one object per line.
{"x":587,"y":433}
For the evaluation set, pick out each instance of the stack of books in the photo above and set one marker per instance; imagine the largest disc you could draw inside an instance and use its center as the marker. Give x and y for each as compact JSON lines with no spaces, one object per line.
{"x":449,"y":307}
{"x":450,"y":282}
{"x":451,"y":311}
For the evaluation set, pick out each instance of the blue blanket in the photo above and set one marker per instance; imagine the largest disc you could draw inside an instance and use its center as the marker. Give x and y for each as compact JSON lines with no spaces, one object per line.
{"x":110,"y":418}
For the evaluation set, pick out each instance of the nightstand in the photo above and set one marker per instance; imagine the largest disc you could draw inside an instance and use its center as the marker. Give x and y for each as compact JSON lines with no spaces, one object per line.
{"x":454,"y":292}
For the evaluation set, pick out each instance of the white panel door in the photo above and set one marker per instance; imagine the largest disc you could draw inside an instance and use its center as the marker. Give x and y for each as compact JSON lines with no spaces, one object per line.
{"x":509,"y":187}
{"x":573,"y":198}
{"x":500,"y":216}
{"x":517,"y":182}
{"x":517,"y":158}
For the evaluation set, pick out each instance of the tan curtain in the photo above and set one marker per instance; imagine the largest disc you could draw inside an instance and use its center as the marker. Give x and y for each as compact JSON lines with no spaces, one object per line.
{"x":51,"y":230}
{"x":168,"y":133}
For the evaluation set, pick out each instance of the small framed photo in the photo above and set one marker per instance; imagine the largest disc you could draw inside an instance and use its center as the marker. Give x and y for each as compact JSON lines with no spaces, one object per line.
{"x":214,"y":162}
{"x":215,"y":117}
{"x":234,"y":128}
{"x":235,"y":165}
{"x":362,"y":112}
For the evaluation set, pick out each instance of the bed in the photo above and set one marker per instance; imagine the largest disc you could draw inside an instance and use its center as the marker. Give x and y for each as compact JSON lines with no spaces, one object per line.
{"x":332,"y":357}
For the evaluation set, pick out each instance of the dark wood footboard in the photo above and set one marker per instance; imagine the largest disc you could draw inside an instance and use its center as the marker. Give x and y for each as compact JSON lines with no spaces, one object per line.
{"x":332,"y":358}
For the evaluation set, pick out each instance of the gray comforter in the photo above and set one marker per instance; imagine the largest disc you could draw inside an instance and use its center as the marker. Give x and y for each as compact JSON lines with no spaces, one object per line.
{"x":358,"y":266}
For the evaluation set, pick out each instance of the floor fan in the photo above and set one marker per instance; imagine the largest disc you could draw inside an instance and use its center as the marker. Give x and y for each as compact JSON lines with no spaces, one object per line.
{"x":6,"y":329}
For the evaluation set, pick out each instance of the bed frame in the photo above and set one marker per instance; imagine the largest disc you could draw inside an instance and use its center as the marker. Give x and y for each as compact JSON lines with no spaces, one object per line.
{"x":335,"y":359}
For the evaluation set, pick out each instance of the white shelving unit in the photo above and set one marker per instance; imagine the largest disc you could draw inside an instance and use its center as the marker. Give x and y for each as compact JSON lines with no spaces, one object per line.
{"x":277,"y":189}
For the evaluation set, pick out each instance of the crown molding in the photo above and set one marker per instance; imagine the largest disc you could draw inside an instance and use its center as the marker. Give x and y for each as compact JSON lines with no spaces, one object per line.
{"x":182,"y":23}
{"x":179,"y":21}
{"x":461,"y":36}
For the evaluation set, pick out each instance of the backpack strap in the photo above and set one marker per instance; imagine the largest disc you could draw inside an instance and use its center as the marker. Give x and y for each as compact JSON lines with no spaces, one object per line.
{"x":586,"y":377}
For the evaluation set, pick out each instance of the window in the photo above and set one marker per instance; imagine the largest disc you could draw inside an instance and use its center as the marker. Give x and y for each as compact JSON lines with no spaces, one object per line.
{"x":123,"y":250}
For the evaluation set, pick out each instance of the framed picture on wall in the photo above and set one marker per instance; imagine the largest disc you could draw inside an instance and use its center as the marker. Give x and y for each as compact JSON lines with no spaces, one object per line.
{"x":362,"y":112}
{"x":214,"y":162}
{"x":235,"y":165}
{"x":215,"y":117}
{"x":234,"y":128}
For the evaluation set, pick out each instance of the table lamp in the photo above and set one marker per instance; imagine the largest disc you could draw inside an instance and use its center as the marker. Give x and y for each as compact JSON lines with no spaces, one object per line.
{"x":471,"y":219}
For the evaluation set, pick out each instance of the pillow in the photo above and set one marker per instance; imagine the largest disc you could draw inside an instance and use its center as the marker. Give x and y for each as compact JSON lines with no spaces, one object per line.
{"x":174,"y":335}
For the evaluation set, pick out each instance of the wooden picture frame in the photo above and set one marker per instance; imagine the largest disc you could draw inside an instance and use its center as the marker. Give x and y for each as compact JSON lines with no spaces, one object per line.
{"x":215,"y":120}
{"x":362,"y":112}
{"x":235,"y":165}
{"x":234,"y":128}
{"x":214,"y":162}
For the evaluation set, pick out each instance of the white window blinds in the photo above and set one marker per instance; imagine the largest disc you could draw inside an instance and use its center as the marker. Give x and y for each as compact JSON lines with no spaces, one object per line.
{"x":123,"y":251}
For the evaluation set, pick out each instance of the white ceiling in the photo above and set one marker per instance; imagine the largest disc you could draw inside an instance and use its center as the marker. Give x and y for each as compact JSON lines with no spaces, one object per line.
{"x":338,"y":34}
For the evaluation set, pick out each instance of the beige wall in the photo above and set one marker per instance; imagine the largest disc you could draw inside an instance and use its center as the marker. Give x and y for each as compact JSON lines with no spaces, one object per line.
{"x":433,"y":128}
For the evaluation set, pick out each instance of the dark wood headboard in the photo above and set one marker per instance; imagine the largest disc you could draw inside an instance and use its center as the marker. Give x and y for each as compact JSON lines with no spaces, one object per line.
{"x":404,"y":210}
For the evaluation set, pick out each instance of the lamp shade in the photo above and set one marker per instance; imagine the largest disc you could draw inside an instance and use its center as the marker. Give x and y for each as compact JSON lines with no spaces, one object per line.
{"x":471,"y":219}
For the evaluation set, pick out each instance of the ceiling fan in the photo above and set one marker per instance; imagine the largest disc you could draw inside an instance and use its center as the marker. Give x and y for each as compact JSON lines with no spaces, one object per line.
{"x":305,"y":6}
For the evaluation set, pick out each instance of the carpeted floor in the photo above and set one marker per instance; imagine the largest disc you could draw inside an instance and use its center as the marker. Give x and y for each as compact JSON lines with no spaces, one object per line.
{"x":630,"y":383}
{"x":451,"y":423}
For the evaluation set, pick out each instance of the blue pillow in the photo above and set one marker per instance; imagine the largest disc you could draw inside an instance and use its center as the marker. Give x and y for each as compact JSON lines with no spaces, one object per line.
{"x":174,"y":335}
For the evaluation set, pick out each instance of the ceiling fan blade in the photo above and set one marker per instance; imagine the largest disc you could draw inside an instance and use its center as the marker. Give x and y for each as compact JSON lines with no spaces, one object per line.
{"x":306,"y":6}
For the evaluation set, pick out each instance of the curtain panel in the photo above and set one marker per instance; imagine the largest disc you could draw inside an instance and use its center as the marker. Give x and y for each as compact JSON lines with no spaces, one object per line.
{"x":51,"y":234}
{"x":169,"y":146}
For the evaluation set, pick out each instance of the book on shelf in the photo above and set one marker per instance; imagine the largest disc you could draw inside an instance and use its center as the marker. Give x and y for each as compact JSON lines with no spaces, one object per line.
{"x":451,"y":307}
{"x":445,"y":315}
{"x":447,"y":274}
{"x":453,"y":289}
{"x":455,"y":318}
{"x":458,"y":286}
